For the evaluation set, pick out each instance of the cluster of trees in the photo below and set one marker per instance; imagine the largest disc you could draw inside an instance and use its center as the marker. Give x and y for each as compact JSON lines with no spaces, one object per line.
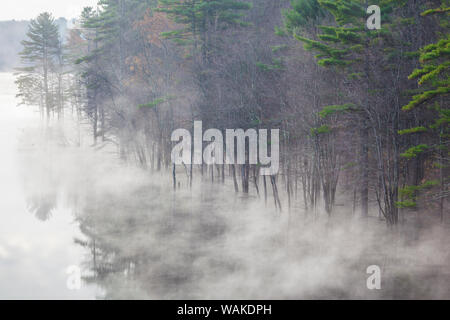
{"x":363,"y":113}
{"x":41,"y":79}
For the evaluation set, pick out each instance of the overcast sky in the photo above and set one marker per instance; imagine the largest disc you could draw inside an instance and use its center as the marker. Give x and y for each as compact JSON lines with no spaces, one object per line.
{"x":28,"y":9}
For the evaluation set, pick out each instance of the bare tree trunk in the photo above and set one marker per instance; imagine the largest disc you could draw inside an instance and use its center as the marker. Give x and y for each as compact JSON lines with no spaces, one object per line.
{"x":223,"y":172}
{"x":265,"y":190}
{"x":364,"y":171}
{"x":275,"y":193}
{"x":255,"y":179}
{"x":233,"y":171}
{"x":174,"y":176}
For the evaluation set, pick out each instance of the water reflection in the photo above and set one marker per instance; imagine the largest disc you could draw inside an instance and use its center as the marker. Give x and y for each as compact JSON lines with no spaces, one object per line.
{"x":42,"y":203}
{"x":143,"y":241}
{"x":34,"y":254}
{"x":144,"y":247}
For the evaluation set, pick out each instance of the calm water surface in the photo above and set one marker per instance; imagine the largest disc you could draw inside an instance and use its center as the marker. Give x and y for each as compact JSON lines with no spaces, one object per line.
{"x":34,"y":254}
{"x":63,"y":205}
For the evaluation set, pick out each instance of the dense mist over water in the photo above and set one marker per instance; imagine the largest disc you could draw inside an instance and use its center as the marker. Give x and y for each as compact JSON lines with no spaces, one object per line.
{"x":33,"y":255}
{"x":135,"y":237}
{"x":143,"y":240}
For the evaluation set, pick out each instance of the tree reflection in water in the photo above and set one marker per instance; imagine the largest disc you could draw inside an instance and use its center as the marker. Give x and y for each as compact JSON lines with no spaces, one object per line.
{"x":143,"y":240}
{"x":143,"y":248}
{"x":40,"y":177}
{"x":42,"y":206}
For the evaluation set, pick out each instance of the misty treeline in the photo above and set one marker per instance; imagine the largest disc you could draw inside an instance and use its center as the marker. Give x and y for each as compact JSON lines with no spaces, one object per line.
{"x":363,"y":114}
{"x":11,"y":33}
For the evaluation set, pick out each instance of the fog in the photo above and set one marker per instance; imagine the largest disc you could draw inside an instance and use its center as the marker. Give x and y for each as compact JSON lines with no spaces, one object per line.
{"x":33,"y":255}
{"x":133,"y":236}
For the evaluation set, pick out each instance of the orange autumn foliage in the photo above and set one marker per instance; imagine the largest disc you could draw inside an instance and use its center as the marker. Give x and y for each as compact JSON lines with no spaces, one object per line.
{"x":152,"y":25}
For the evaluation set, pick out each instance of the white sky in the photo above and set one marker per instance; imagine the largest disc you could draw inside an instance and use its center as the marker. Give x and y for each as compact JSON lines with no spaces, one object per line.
{"x":28,"y":9}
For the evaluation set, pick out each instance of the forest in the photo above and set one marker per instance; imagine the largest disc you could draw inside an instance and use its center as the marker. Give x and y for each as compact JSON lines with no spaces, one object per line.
{"x":363,"y":113}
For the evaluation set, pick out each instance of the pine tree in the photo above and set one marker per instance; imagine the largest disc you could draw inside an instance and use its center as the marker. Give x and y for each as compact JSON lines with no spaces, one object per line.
{"x":199,"y":18}
{"x":434,"y":80}
{"x":111,"y":36}
{"x":340,"y":48}
{"x":347,"y":47}
{"x":41,"y":52}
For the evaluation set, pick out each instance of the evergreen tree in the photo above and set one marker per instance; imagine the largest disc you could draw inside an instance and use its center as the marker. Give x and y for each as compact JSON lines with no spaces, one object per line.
{"x":434,"y":81}
{"x":111,"y":39}
{"x":199,"y":18}
{"x":350,"y":49}
{"x":41,"y":52}
{"x":340,"y":48}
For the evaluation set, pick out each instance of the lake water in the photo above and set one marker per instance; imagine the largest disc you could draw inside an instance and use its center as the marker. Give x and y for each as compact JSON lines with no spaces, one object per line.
{"x":34,"y":254}
{"x":132,"y":237}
